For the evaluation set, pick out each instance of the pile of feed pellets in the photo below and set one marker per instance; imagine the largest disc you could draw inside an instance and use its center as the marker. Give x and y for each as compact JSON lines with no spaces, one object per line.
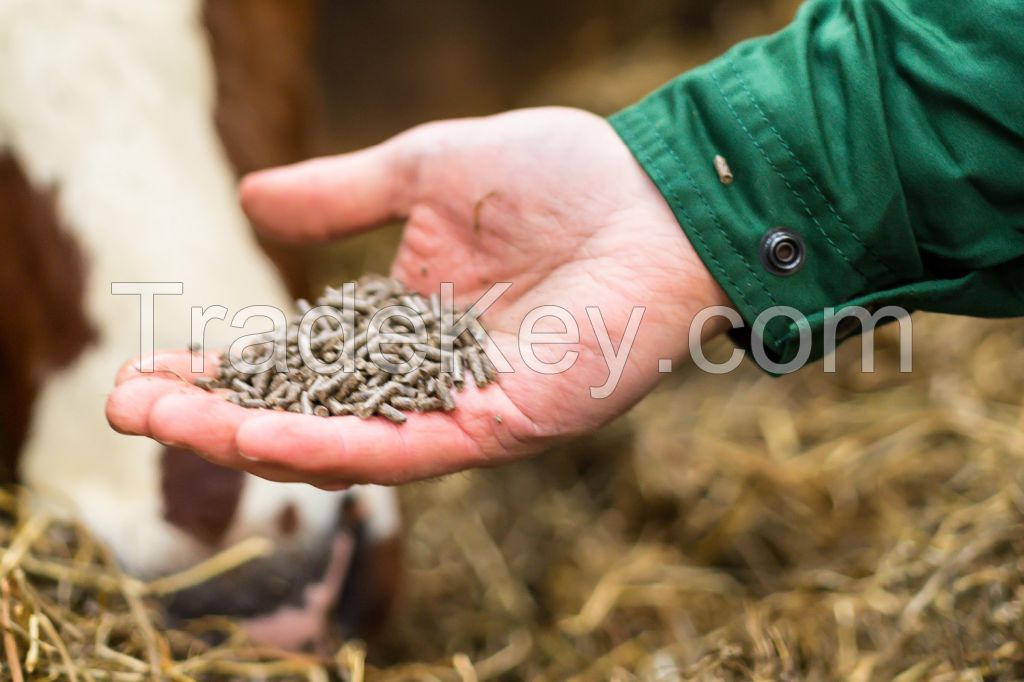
{"x":385,"y":368}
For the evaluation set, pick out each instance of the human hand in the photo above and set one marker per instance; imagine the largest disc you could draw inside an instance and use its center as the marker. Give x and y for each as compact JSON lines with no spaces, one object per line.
{"x":550,"y":200}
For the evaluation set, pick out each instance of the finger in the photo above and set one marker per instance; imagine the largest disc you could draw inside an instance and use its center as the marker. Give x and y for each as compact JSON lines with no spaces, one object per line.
{"x":171,"y":364}
{"x":329,"y":197}
{"x":134,"y":405}
{"x":280,"y":474}
{"x":128,"y":407}
{"x":131,"y":410}
{"x":202,"y":422}
{"x":360,"y":451}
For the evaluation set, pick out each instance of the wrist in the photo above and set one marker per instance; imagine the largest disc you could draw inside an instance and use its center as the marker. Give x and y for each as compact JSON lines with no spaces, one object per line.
{"x":706,"y":294}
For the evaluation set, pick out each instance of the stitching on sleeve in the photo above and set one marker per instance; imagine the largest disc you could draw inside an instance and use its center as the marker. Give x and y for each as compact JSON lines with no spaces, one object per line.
{"x":785,"y":180}
{"x":711,"y":212}
{"x":711,"y":253}
{"x":821,"y":194}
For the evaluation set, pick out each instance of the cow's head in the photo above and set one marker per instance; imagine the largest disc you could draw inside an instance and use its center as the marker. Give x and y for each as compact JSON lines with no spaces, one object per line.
{"x":123,"y":127}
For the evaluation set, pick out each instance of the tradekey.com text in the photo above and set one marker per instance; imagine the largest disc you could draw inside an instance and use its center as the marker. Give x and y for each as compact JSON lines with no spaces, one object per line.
{"x":547,"y":339}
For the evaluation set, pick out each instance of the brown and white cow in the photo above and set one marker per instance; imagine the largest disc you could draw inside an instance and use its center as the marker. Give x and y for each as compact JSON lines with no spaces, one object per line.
{"x":123,"y":126}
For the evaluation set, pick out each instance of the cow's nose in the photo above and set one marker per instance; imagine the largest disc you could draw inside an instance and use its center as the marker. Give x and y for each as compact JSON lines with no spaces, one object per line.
{"x":292,"y":599}
{"x":284,"y":600}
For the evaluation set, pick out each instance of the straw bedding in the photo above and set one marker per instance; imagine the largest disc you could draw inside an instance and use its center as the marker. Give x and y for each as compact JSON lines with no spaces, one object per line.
{"x":853,"y":526}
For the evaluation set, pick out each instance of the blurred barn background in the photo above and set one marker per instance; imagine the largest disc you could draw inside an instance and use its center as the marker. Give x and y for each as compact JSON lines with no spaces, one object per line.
{"x":849,"y":526}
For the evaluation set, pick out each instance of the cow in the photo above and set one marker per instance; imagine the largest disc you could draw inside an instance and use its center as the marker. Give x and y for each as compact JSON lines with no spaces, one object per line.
{"x":123,"y":128}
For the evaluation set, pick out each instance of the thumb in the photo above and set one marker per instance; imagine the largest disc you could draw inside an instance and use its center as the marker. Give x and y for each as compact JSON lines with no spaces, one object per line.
{"x":330,"y":197}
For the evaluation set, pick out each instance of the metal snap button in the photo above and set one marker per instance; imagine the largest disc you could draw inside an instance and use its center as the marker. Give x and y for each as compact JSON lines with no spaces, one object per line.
{"x":782,"y":251}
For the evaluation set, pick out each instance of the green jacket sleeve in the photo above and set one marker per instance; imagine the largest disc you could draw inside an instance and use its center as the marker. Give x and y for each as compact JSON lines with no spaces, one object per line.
{"x":886,"y":135}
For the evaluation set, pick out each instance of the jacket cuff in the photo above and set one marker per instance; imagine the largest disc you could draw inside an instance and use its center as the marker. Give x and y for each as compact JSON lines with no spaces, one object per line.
{"x":773,"y":239}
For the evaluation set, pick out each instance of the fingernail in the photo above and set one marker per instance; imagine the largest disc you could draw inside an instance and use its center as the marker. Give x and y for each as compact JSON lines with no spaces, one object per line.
{"x":253,"y":436}
{"x":247,"y":456}
{"x":333,"y":487}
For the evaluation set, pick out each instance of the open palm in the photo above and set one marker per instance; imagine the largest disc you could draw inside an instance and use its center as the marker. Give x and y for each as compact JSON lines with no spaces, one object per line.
{"x":549,"y":200}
